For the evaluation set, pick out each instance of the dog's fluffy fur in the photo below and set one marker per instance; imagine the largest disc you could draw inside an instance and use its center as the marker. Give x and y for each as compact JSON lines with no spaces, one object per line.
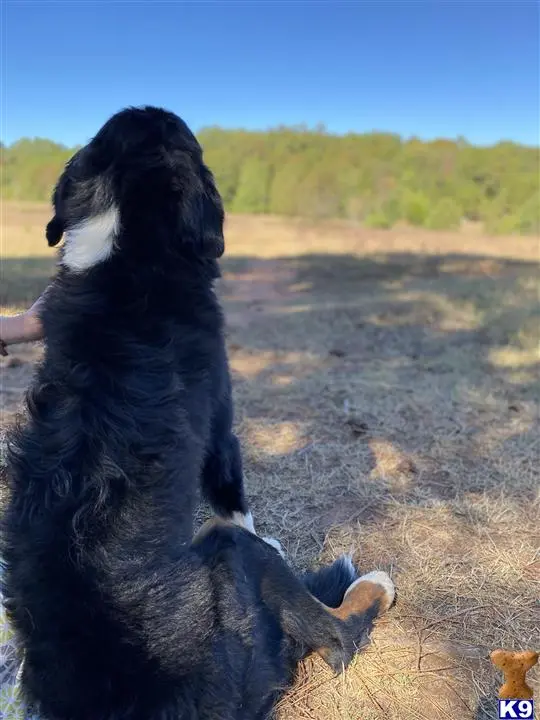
{"x":120,"y":615}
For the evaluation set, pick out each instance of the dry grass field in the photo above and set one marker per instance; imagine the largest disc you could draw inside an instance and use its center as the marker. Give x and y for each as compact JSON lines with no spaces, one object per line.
{"x":387,"y":391}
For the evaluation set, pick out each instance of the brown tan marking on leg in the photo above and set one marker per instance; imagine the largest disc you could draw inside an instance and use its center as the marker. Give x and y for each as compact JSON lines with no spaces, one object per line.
{"x":209,"y":525}
{"x":374,"y":587}
{"x":364,"y":593}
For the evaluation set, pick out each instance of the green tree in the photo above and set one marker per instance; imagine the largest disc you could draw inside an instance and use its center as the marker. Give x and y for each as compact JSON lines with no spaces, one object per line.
{"x":414,"y":207}
{"x":446,"y":214}
{"x":377,"y":219}
{"x":529,"y":216}
{"x":376,"y":178}
{"x":318,"y":195}
{"x":503,"y":225}
{"x":253,"y":187}
{"x":284,"y":188}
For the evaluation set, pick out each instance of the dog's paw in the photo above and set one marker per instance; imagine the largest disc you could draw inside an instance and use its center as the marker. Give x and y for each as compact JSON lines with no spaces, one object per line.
{"x":275,"y":544}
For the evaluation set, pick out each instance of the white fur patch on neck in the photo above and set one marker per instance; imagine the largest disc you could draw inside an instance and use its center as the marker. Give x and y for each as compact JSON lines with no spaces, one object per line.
{"x":92,"y":241}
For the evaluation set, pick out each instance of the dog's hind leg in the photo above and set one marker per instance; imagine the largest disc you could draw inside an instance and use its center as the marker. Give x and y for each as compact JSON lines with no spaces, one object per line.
{"x":223,"y":476}
{"x":335,"y":633}
{"x":366,"y":598}
{"x":354,"y":600}
{"x":306,"y":623}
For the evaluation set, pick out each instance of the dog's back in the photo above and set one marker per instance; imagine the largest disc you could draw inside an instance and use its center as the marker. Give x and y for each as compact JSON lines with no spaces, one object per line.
{"x":104,"y":482}
{"x":105,"y":470}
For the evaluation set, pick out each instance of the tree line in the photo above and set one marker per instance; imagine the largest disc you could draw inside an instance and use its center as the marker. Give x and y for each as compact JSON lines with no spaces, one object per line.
{"x":376,"y":179}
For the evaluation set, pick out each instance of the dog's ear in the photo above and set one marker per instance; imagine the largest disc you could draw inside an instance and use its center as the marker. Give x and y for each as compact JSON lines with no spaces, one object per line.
{"x":54,"y":231}
{"x":201,"y":218}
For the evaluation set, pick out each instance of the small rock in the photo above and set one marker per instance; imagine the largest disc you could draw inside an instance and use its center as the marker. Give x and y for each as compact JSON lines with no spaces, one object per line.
{"x":358,"y":426}
{"x":337,"y":352}
{"x":406,"y":467}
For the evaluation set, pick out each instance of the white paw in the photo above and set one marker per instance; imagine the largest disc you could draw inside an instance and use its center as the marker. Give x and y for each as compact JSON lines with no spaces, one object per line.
{"x":377,"y":577}
{"x":244,"y":521}
{"x":275,"y":544}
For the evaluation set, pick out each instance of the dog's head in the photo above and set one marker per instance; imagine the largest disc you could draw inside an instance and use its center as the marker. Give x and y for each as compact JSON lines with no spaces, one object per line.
{"x":141,"y":188}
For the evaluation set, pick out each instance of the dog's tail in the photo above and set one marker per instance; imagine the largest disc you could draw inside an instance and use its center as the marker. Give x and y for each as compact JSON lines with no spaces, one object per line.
{"x":329,"y":584}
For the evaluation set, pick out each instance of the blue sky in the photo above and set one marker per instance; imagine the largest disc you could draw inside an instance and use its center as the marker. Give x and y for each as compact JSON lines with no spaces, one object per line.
{"x":427,"y":68}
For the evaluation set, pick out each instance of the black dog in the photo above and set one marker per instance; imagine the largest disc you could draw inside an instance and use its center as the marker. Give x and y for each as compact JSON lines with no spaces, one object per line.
{"x":120,"y":615}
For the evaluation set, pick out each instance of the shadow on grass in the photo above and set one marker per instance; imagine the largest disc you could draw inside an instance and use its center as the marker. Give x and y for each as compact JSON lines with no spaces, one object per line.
{"x":487,"y":709}
{"x":417,"y":347}
{"x":391,"y":404}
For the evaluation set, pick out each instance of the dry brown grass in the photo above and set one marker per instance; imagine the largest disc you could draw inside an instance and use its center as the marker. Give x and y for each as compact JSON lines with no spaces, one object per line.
{"x":387,"y":397}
